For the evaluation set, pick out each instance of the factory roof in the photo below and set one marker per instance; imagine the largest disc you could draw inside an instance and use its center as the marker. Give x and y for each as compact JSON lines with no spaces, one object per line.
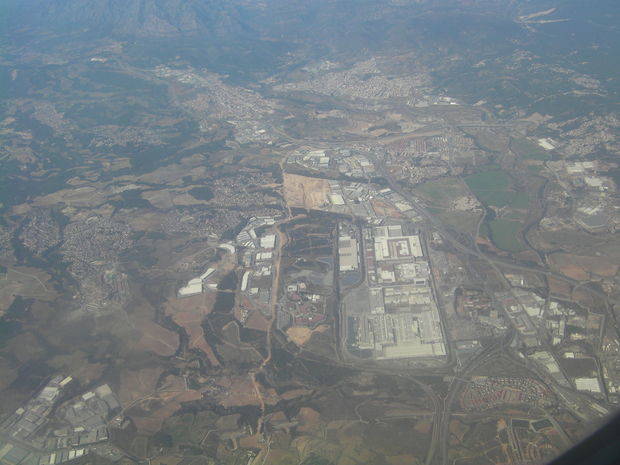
{"x":546,"y":144}
{"x":207,"y":273}
{"x":347,"y":253}
{"x":268,"y":241}
{"x":244,"y":280}
{"x":260,"y":256}
{"x":191,"y":289}
{"x":588,"y":384}
{"x":336,"y":199}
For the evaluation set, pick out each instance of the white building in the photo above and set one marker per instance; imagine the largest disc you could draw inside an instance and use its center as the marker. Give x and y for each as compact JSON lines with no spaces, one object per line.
{"x":546,"y":144}
{"x":390,"y":244}
{"x":244,"y":281}
{"x":347,"y":253}
{"x":207,"y":273}
{"x":587,"y":384}
{"x":194,"y":287}
{"x":268,"y":241}
{"x":263,"y":256}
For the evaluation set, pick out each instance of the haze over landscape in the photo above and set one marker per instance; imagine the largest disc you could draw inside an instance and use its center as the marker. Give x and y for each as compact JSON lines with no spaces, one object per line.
{"x":321,"y":232}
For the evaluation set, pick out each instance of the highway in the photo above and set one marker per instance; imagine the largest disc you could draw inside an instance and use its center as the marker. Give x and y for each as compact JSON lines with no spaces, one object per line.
{"x":275,"y":286}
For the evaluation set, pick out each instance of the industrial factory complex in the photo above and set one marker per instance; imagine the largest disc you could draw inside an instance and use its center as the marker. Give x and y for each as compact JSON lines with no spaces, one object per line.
{"x":393,"y":313}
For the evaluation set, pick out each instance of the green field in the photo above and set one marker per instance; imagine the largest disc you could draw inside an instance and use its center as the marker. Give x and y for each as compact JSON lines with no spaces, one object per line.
{"x":495,"y":188}
{"x":188,"y":429}
{"x":442,"y":192}
{"x":504,"y":233}
{"x":529,"y":150}
{"x":520,"y":200}
{"x":465,"y":222}
{"x":534,"y":168}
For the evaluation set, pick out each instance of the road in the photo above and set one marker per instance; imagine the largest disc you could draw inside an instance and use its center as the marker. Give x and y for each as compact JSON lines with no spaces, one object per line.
{"x":273,"y":307}
{"x":275,"y":285}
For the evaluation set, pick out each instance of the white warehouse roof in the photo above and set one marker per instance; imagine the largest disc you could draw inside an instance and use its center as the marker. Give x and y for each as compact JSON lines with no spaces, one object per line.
{"x":587,"y":384}
{"x":191,"y":289}
{"x":268,"y":241}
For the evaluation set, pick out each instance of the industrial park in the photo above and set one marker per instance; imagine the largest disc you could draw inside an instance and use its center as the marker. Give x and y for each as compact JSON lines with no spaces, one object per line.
{"x":54,"y":428}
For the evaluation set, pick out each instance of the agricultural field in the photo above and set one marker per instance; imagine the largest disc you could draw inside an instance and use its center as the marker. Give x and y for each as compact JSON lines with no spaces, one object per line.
{"x":440,"y":194}
{"x":24,"y":282}
{"x":496,"y":188}
{"x":466,"y":222}
{"x":529,"y":150}
{"x":504,"y":234}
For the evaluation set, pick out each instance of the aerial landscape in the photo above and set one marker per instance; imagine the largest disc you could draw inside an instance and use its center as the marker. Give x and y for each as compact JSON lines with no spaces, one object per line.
{"x":321,"y":232}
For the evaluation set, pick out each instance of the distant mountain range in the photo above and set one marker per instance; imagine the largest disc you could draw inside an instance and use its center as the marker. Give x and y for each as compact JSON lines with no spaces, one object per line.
{"x":171,"y":17}
{"x":316,"y":19}
{"x":267,"y":30}
{"x":131,"y":17}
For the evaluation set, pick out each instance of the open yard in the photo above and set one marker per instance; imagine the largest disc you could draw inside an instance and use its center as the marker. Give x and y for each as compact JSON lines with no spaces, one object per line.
{"x":303,"y":191}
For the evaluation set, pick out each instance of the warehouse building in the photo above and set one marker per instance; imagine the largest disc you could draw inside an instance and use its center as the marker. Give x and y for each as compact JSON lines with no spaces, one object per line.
{"x":347,"y":253}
